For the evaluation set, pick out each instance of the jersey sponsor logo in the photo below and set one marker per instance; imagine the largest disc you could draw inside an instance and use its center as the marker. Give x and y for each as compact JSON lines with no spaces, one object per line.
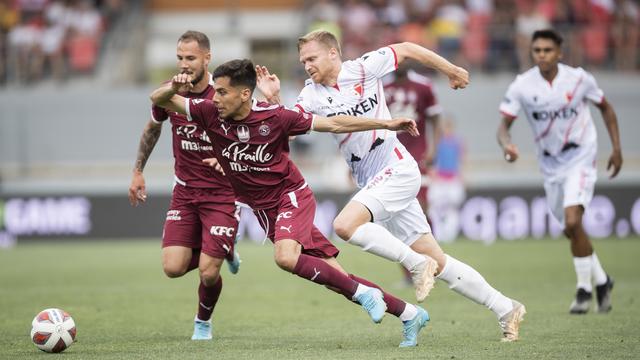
{"x":174,"y":215}
{"x":221,"y":230}
{"x":264,"y":130}
{"x":187,"y":131}
{"x":564,"y":113}
{"x":243,"y":133}
{"x":194,"y":146}
{"x":358,"y":109}
{"x":284,"y":215}
{"x":246,"y":168}
{"x":241,"y":152}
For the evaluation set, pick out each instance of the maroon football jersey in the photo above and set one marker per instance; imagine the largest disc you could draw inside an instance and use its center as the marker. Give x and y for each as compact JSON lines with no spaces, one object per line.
{"x":254,"y":152}
{"x":413,"y":98}
{"x":190,"y":145}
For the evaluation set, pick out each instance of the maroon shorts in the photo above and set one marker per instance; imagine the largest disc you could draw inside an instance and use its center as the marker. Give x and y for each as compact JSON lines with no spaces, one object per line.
{"x":292,"y":219}
{"x":197,"y":219}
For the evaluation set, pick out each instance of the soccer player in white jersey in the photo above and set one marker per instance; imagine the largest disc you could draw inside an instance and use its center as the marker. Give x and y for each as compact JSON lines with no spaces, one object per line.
{"x":384,"y":217}
{"x":555,"y":99}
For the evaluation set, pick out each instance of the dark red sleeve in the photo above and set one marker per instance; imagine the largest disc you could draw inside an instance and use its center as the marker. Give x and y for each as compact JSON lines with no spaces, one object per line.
{"x":159,"y":114}
{"x":296,"y":123}
{"x":201,"y":111}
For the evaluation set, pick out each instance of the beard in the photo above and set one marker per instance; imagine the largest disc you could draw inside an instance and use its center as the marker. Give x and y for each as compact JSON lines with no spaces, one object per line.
{"x":198,"y":77}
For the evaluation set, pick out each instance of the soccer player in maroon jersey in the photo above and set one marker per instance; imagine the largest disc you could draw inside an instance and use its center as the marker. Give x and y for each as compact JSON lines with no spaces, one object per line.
{"x":200,"y":227}
{"x":251,"y":142}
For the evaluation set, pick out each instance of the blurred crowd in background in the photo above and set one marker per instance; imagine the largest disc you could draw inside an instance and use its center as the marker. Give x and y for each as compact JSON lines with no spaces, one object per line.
{"x":488,"y":35}
{"x":52,"y":38}
{"x":61,"y":39}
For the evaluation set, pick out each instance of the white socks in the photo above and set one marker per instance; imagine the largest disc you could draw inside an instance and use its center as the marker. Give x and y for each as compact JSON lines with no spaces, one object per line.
{"x":583,"y":272}
{"x":467,"y":282}
{"x":410,"y":311}
{"x":377,"y":240}
{"x":599,"y":276}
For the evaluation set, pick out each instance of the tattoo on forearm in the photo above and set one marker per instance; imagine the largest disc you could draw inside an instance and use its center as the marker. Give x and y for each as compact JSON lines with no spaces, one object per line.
{"x":148,"y":141}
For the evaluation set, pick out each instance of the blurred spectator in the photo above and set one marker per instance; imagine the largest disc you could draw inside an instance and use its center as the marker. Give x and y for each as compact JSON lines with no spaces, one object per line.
{"x":529,"y":18}
{"x":325,"y":15}
{"x":447,"y":193}
{"x":358,"y":22}
{"x":448,"y":27}
{"x":8,"y":19}
{"x":626,"y":21}
{"x":42,"y":38}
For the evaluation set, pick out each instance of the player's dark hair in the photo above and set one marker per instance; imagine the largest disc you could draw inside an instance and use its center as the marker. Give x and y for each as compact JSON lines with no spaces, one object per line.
{"x":324,"y":37}
{"x":547,"y":34}
{"x":197,"y":36}
{"x":239,"y":72}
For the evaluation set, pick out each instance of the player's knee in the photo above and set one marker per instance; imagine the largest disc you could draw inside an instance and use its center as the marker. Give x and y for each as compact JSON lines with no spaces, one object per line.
{"x":209,"y":277}
{"x":343,"y":228}
{"x":286,"y":259}
{"x":571,"y":225}
{"x":173,"y":270}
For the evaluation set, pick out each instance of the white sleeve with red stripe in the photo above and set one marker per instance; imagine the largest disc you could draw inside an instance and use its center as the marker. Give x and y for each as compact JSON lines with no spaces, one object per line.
{"x":304,"y":103}
{"x":379,"y":62}
{"x":593,"y":93}
{"x":510,"y":105}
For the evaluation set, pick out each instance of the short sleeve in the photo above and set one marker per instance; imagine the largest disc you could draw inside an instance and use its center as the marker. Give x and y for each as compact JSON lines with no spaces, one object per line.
{"x":303,"y":102}
{"x":296,"y":122}
{"x":593,"y":92}
{"x":200,"y":111}
{"x":379,"y":62}
{"x":158,"y":114}
{"x":510,"y":105}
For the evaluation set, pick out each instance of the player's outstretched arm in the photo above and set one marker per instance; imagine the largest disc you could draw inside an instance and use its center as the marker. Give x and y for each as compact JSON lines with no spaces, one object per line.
{"x":458,"y":77}
{"x":611,"y":121}
{"x":347,"y":124}
{"x":148,"y":140}
{"x":166,"y":96}
{"x":509,"y":149}
{"x":268,"y":84}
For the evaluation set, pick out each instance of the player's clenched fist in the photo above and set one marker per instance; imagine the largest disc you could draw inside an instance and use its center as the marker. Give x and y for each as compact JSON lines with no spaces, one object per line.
{"x":458,"y":78}
{"x":181,"y":83}
{"x":404,"y":124}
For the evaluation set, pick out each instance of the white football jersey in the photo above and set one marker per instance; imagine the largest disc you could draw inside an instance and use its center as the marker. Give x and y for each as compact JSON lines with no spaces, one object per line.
{"x":558,"y":113}
{"x":359,"y":92}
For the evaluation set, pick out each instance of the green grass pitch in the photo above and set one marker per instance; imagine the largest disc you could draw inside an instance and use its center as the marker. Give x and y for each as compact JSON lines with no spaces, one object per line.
{"x":125,"y":308}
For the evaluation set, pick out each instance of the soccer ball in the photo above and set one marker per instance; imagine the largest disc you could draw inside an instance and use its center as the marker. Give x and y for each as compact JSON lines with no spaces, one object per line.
{"x":53,"y":330}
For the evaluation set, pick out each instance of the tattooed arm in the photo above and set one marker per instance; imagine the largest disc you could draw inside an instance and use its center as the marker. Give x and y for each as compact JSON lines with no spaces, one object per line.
{"x":148,"y":140}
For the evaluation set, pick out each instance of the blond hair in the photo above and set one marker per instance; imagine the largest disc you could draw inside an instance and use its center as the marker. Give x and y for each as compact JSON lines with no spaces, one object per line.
{"x":324,"y":37}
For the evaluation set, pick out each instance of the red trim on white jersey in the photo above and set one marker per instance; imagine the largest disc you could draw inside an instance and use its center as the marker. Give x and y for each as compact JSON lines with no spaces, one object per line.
{"x":398,"y":153}
{"x":395,"y":56}
{"x":344,"y":140}
{"x":511,"y":116}
{"x":569,"y":96}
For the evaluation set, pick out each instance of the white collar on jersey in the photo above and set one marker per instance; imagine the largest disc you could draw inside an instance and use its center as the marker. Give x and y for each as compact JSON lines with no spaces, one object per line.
{"x":255,"y":107}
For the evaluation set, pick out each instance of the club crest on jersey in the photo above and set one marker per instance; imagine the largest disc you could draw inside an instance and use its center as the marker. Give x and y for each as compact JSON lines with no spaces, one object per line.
{"x":358,"y":90}
{"x":243,"y":133}
{"x":569,"y":96}
{"x":264,"y":130}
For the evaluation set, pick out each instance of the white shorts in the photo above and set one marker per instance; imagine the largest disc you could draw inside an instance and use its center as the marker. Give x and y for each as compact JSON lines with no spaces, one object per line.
{"x":391,"y":197}
{"x":572,"y":187}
